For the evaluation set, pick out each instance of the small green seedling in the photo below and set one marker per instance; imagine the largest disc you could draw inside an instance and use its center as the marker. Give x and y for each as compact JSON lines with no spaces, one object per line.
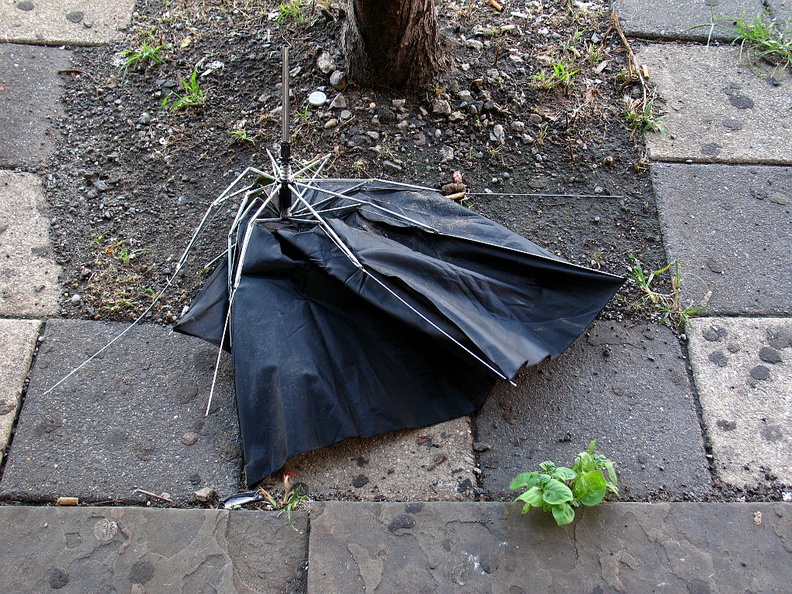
{"x":668,"y":304}
{"x":292,"y":11}
{"x":194,"y":96}
{"x":148,"y":54}
{"x":767,"y":40}
{"x":642,"y":116}
{"x":558,"y":489}
{"x":560,"y":77}
{"x":242,"y":136}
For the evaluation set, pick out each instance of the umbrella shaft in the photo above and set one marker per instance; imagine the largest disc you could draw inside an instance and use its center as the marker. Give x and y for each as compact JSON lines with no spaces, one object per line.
{"x":284,"y":194}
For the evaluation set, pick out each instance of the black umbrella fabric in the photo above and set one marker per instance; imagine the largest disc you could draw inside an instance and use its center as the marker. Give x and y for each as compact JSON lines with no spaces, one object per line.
{"x":376,"y":306}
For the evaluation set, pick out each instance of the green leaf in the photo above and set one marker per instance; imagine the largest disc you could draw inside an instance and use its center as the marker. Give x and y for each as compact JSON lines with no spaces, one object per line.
{"x":547,"y":467}
{"x":563,"y":514}
{"x":532,"y":496}
{"x":563,"y":473}
{"x":611,"y":472}
{"x":556,"y":492}
{"x":583,"y":463}
{"x":590,"y":488}
{"x":524,"y":480}
{"x":526,"y":508}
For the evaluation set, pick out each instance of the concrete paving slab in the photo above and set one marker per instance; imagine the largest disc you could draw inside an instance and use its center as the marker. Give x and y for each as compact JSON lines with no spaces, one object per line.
{"x":150,"y":550}
{"x":133,"y":418}
{"x":743,"y":372}
{"x":719,"y":110}
{"x":682,"y":19}
{"x":433,"y":463}
{"x":491,"y":547}
{"x":63,"y":22}
{"x":30,"y":90}
{"x":28,"y":274}
{"x":624,"y":385}
{"x":730,"y":227}
{"x":18,"y":340}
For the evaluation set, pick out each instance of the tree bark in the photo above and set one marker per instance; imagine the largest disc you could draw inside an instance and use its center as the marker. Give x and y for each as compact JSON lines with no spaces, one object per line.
{"x":392,"y":43}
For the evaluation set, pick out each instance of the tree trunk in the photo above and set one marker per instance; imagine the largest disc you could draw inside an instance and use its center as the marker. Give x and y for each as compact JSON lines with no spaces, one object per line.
{"x":392,"y":43}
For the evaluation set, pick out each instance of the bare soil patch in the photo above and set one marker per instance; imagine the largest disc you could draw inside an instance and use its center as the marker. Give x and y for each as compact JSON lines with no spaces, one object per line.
{"x":554,"y":160}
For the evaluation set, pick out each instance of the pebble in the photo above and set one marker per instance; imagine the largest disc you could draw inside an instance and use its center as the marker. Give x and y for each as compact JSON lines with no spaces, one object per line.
{"x":205,"y":495}
{"x":446,"y":154}
{"x":498,"y":134}
{"x":145,"y":118}
{"x":325,"y":63}
{"x":190,"y":438}
{"x":360,"y":481}
{"x":456,"y":116}
{"x":331,"y":123}
{"x":535,"y":118}
{"x":441,"y":107}
{"x":338,"y":80}
{"x":398,"y":103}
{"x":517,"y":126}
{"x":317,"y":98}
{"x":75,"y":298}
{"x":390,"y":165}
{"x":346,"y":114}
{"x":339,"y":102}
{"x":475,"y":44}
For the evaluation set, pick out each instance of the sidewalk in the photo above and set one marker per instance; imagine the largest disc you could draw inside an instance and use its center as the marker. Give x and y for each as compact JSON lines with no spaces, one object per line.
{"x":722,"y":178}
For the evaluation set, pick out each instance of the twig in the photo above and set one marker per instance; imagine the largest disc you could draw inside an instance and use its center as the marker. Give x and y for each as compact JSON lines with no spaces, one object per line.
{"x":438,"y":461}
{"x":142,"y":492}
{"x":631,"y":59}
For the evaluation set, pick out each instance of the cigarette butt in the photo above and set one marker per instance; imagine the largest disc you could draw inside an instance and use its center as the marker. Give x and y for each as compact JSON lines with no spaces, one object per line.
{"x":645,"y":72}
{"x":67,"y":501}
{"x":496,"y":5}
{"x":457,"y":196}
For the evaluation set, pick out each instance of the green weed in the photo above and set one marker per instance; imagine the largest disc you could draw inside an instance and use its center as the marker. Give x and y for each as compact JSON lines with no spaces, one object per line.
{"x":242,"y":136}
{"x":674,"y":313}
{"x":766,"y":40}
{"x":194,"y":96}
{"x":643,"y":117}
{"x":292,"y":12}
{"x":561,"y":76}
{"x":559,"y":489}
{"x":148,"y":54}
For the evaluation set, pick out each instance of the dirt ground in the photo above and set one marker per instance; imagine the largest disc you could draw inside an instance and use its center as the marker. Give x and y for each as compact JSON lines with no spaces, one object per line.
{"x":132,"y":177}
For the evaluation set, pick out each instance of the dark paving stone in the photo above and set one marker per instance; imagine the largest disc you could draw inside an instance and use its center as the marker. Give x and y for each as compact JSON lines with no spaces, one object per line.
{"x":122,"y":423}
{"x":30,"y":90}
{"x":683,"y":19}
{"x":730,"y":227}
{"x":625,"y":386}
{"x":491,"y":547}
{"x":150,"y":550}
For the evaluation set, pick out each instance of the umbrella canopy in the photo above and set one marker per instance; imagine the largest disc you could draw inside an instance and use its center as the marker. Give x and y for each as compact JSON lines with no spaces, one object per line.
{"x":359,"y":307}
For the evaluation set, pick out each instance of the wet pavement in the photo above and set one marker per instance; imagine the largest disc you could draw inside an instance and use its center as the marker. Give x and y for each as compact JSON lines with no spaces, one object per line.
{"x":674,"y":417}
